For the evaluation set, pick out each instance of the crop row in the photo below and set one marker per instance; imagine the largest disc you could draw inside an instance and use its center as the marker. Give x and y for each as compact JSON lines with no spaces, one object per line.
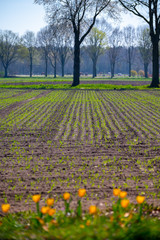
{"x":56,"y":140}
{"x":12,"y":97}
{"x":87,"y":115}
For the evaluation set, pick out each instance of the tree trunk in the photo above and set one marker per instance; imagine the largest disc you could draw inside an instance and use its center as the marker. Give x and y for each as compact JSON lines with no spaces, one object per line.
{"x":55,"y":67}
{"x":6,"y":71}
{"x":146,"y":70}
{"x":129,"y":61}
{"x":112,"y":69}
{"x":76,"y":67}
{"x":94,"y":68}
{"x":46,"y":66}
{"x":62,"y":65}
{"x":30,"y":67}
{"x":129,"y":69}
{"x":155,"y":62}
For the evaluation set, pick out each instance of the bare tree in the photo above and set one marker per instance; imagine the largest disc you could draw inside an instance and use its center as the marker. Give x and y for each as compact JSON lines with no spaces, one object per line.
{"x":82,"y":15}
{"x":53,"y":48}
{"x":145,"y":47}
{"x":149,"y":11}
{"x":104,"y":26}
{"x":64,"y":43}
{"x":43,"y":38}
{"x":9,"y":43}
{"x":29,"y":42}
{"x":129,"y":43}
{"x":115,"y":40}
{"x":97,"y":43}
{"x":59,"y":45}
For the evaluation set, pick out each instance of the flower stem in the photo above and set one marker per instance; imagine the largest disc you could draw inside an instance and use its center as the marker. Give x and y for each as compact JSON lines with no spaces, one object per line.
{"x":79,"y":209}
{"x":140,"y":212}
{"x":66,"y":207}
{"x":37,"y":205}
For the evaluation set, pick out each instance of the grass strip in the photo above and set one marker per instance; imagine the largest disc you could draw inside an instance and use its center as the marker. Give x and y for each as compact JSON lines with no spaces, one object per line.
{"x":81,"y":86}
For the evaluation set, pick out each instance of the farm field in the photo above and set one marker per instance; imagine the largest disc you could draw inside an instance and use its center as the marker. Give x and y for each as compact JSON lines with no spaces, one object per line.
{"x":53,"y":141}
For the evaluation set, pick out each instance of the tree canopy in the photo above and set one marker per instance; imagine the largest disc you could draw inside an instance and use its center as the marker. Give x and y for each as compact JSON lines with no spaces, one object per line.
{"x":82,"y":15}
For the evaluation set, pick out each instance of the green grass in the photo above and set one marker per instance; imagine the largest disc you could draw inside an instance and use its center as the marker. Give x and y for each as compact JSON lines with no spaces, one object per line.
{"x":81,"y":86}
{"x":18,"y":83}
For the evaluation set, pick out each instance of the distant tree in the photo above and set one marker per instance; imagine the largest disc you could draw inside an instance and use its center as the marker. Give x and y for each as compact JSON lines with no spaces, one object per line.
{"x":43,"y":39}
{"x":82,"y":15}
{"x":149,"y":11}
{"x":103,"y":25}
{"x":97,"y":43}
{"x":53,"y":48}
{"x":22,"y":63}
{"x":115,"y":41}
{"x":145,"y":47}
{"x":129,"y":43}
{"x":64,"y":42}
{"x":29,"y":42}
{"x":53,"y":58}
{"x":9,"y":43}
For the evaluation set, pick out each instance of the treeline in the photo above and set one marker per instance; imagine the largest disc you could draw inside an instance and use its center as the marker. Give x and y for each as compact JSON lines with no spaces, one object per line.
{"x":106,"y":50}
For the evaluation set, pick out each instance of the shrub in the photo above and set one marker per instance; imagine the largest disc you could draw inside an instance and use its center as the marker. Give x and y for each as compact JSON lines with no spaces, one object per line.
{"x":133,"y":73}
{"x":141,"y":73}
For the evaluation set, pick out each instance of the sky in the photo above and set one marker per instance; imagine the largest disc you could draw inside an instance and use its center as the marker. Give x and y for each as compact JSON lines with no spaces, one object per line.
{"x":20,"y":16}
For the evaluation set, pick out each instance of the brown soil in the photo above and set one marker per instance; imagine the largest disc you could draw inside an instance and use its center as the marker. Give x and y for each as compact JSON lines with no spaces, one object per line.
{"x":42,"y":161}
{"x":115,"y":82}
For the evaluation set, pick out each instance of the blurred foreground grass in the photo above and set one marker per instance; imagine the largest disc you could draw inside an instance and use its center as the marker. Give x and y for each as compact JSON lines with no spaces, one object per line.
{"x":123,"y":221}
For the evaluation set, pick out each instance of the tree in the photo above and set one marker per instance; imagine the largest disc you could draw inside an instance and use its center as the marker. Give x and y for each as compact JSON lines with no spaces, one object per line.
{"x":96,"y":46}
{"x":43,"y":38}
{"x":114,"y":48}
{"x":64,"y":42}
{"x":82,"y":15}
{"x":9,"y":43}
{"x":149,"y":11}
{"x":29,"y":42}
{"x":53,"y":48}
{"x":53,"y":58}
{"x":145,"y":48}
{"x":129,"y":42}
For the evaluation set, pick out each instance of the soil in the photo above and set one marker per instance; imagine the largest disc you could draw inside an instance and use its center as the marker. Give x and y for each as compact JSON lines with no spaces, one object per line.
{"x":115,"y":82}
{"x":34,"y":161}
